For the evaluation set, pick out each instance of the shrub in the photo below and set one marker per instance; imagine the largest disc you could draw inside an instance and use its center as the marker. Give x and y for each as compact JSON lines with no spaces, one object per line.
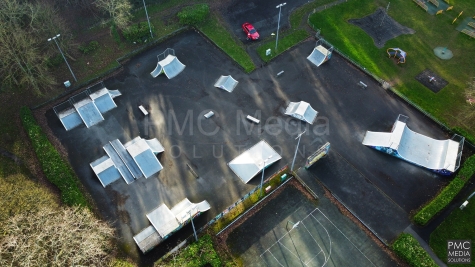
{"x":137,"y":33}
{"x":407,"y":247}
{"x":197,"y":254}
{"x":193,"y":15}
{"x":54,"y":61}
{"x":56,"y":170}
{"x":115,"y":34}
{"x":448,"y":193}
{"x":88,"y":48}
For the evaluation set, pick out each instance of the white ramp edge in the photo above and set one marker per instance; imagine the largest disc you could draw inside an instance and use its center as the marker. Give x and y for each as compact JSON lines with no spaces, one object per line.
{"x":226,"y":83}
{"x":318,"y":55}
{"x":440,"y":156}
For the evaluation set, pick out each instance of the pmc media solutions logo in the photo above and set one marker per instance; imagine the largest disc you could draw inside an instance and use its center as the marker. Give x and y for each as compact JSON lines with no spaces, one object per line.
{"x":459,"y":251}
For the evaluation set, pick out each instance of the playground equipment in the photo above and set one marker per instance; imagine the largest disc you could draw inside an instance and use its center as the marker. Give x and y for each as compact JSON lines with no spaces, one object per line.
{"x":460,"y":14}
{"x":320,"y":54}
{"x":397,"y":53}
{"x":226,"y":83}
{"x":440,"y":156}
{"x":302,"y":111}
{"x":165,"y":222}
{"x":170,"y":65}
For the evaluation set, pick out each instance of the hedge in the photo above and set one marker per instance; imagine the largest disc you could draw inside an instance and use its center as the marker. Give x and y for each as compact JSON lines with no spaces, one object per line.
{"x":447,"y":194}
{"x":56,"y":170}
{"x":409,"y":249}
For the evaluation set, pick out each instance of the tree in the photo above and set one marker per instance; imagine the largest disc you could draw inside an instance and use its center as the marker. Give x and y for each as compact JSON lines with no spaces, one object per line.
{"x":56,"y":237}
{"x":24,"y":28}
{"x":118,"y":10}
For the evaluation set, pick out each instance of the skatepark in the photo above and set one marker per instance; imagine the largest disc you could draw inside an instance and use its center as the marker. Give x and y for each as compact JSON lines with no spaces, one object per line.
{"x":197,"y":150}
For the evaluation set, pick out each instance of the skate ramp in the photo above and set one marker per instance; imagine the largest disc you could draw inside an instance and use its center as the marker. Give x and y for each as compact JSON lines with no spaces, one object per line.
{"x":171,"y":66}
{"x":441,"y":156}
{"x":302,"y":111}
{"x":226,"y":83}
{"x":319,"y":55}
{"x":251,"y":162}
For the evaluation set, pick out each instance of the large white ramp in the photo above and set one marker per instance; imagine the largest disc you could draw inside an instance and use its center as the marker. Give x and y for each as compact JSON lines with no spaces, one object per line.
{"x":441,"y":156}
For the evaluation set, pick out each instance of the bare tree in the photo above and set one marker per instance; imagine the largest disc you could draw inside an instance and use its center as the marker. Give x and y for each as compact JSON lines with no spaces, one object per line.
{"x":118,"y":10}
{"x":24,"y":28}
{"x":52,"y":237}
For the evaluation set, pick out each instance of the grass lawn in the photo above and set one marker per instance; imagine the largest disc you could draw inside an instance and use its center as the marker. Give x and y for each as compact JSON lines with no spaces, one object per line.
{"x":215,"y":31}
{"x":431,"y":31}
{"x":285,"y":42}
{"x":459,"y":225}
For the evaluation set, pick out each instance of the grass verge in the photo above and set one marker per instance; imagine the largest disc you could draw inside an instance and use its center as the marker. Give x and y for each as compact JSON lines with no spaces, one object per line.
{"x":197,"y":254}
{"x":284,"y":43}
{"x":457,"y":226}
{"x":447,"y":194}
{"x":56,"y":170}
{"x":215,"y":31}
{"x":407,"y":247}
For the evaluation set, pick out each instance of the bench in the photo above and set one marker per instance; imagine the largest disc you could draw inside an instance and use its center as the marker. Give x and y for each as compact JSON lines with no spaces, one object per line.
{"x":145,"y":112}
{"x":250,"y":118}
{"x":471,"y":24}
{"x":421,"y":4}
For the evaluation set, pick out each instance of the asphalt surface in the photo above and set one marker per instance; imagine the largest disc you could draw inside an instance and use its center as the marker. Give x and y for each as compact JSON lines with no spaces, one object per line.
{"x":322,"y":235}
{"x":263,"y":15}
{"x":176,"y":110}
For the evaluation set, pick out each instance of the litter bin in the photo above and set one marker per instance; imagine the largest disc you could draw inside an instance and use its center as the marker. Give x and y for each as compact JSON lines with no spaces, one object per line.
{"x":283,"y":177}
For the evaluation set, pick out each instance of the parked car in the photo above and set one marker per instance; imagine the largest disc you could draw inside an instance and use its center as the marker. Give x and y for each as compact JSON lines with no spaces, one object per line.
{"x":250,"y":31}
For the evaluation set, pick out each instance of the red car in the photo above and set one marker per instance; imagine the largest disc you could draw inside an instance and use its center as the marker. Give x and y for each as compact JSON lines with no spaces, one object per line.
{"x":250,"y":31}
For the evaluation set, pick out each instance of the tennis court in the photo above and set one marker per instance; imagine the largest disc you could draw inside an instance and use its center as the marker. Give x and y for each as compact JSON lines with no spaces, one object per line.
{"x":292,"y":230}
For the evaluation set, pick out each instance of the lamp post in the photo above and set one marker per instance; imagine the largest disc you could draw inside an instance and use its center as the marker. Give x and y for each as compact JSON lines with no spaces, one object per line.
{"x":278,"y":24}
{"x":296,"y":149}
{"x":193,"y":225}
{"x":263,"y":168}
{"x":148,"y":20}
{"x":54,"y":39}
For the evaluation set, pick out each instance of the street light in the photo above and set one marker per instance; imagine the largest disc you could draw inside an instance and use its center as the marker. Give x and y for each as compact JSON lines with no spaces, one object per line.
{"x":148,"y":20}
{"x":278,"y":24}
{"x":263,"y":168}
{"x":193,"y":225}
{"x":296,"y":149}
{"x":54,"y":39}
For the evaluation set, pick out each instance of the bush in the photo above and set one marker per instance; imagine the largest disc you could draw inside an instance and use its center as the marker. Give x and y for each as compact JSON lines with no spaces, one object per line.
{"x":54,"y":61}
{"x":137,"y":33}
{"x":115,"y":34}
{"x":55,"y":169}
{"x":197,"y":254}
{"x":88,"y":48}
{"x":448,"y":193}
{"x":193,"y":15}
{"x":407,"y":247}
